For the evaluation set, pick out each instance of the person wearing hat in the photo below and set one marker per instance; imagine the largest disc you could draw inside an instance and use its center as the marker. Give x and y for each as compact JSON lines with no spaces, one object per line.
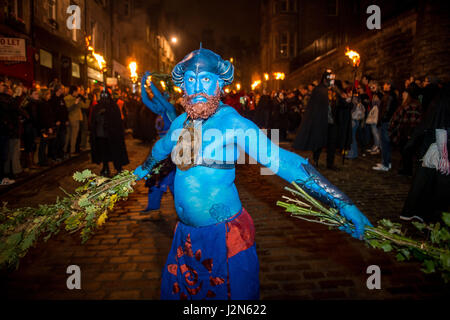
{"x":213,"y":254}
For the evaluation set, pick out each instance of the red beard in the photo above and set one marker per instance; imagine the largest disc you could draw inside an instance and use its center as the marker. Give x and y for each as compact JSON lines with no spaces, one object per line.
{"x":201,"y":110}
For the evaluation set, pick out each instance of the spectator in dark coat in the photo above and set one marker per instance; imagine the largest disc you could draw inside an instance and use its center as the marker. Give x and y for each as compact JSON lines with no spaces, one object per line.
{"x":61,"y":120}
{"x":108,"y":135}
{"x":6,"y":125}
{"x":263,"y":110}
{"x":31,"y":127}
{"x":313,"y":131}
{"x":47,"y":123}
{"x":428,"y":196}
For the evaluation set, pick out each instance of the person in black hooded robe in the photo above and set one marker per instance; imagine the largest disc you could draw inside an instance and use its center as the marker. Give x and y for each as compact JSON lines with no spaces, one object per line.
{"x":428,"y":196}
{"x":313,"y":132}
{"x":107,"y":135}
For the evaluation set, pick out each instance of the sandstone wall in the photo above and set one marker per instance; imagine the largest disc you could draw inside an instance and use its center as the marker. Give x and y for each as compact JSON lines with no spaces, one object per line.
{"x":416,"y":43}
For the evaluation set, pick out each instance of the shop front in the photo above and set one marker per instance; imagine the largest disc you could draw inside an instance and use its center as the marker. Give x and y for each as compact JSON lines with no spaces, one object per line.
{"x":16,"y":60}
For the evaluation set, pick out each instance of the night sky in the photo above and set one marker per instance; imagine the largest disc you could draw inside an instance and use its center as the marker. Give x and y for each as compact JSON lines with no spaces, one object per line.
{"x":226,"y":19}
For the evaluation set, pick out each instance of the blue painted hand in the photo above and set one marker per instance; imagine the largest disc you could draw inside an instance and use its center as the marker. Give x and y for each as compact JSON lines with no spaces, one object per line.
{"x":352,"y":213}
{"x":141,"y":173}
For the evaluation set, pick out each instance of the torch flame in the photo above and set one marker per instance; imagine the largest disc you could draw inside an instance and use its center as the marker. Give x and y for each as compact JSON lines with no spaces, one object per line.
{"x":133,"y":67}
{"x":177,"y":89}
{"x":279,"y":75}
{"x":354,"y":56}
{"x":266,"y":76}
{"x":100,"y":60}
{"x":255,"y":84}
{"x":163,"y":85}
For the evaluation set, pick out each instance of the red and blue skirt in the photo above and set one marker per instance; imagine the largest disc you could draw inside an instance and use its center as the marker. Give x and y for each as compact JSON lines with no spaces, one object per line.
{"x":216,"y":262}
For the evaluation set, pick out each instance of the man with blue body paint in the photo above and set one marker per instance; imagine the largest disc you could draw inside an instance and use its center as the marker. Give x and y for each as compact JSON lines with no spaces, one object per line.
{"x":213,"y":253}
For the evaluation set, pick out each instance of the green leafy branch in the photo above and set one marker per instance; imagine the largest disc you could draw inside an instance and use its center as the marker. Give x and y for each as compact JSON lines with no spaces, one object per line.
{"x":85,"y":210}
{"x":388,"y":236}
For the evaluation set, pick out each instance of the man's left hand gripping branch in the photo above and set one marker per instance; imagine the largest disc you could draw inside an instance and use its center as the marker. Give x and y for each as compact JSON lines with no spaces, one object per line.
{"x":204,"y":143}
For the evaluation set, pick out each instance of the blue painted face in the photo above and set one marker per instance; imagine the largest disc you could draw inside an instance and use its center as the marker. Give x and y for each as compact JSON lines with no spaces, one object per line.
{"x":203,"y":82}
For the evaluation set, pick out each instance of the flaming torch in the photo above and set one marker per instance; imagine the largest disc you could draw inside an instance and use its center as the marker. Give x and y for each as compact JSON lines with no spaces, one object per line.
{"x":133,"y":74}
{"x":355,"y":58}
{"x":133,"y":68}
{"x":101,"y":64}
{"x":256,"y":84}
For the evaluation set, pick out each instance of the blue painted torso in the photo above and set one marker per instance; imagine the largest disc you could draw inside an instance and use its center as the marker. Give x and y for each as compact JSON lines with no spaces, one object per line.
{"x":204,"y":195}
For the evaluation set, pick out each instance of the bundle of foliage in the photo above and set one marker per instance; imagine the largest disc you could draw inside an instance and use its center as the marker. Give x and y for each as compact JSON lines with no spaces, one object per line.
{"x":433,"y":249}
{"x":85,"y":210}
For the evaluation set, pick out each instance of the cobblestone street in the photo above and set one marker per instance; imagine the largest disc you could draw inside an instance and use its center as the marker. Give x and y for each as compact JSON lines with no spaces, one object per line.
{"x":298,"y":259}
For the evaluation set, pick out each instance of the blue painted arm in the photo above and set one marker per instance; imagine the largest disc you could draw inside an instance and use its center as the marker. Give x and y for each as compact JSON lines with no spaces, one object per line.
{"x":158,"y":104}
{"x":292,"y":167}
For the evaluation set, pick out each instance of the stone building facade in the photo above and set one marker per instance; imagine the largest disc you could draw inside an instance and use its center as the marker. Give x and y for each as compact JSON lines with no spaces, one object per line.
{"x":299,"y":36}
{"x":415,"y":43}
{"x":119,"y":30}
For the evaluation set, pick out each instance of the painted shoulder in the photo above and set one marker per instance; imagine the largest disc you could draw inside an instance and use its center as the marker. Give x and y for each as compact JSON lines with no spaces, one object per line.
{"x":178,"y":122}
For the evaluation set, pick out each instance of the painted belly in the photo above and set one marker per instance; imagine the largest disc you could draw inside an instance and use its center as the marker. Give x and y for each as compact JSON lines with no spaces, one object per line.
{"x":205,"y":196}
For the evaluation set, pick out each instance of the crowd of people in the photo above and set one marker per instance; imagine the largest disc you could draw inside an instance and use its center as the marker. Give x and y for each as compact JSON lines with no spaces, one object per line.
{"x":367,"y":117}
{"x":45,"y":125}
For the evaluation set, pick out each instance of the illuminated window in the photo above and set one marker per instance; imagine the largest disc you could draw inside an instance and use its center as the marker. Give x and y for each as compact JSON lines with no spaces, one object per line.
{"x":52,"y":9}
{"x":283,"y":6}
{"x":283,"y":44}
{"x":127,"y":8}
